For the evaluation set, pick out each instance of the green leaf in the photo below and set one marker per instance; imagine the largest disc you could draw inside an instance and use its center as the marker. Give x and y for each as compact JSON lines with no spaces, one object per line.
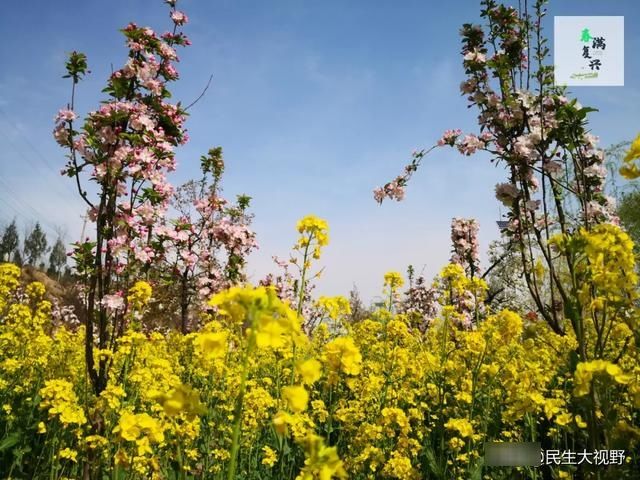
{"x":476,"y":471}
{"x":10,"y":441}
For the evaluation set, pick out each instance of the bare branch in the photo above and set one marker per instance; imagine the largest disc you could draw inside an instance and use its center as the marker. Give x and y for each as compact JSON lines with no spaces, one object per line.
{"x":201,"y":95}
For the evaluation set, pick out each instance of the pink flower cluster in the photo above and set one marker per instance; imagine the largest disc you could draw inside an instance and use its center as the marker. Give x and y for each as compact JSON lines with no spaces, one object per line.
{"x":179,"y":18}
{"x":507,"y":193}
{"x":449,"y":137}
{"x":394,"y":190}
{"x":421,"y":304}
{"x":472,"y":143}
{"x":464,"y":240}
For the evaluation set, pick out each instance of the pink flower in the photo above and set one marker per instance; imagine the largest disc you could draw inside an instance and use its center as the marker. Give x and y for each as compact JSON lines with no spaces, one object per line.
{"x":61,"y":134}
{"x":66,"y":115}
{"x":394,"y":190}
{"x":475,"y":56}
{"x":596,"y":170}
{"x":139,"y":122}
{"x":179,"y":18}
{"x":108,"y":135}
{"x":523,"y":147}
{"x":470,"y":144}
{"x":466,"y":250}
{"x":468,"y":86}
{"x":532,"y":205}
{"x":507,"y":193}
{"x":551,"y":166}
{"x":113,"y":303}
{"x":449,"y":137}
{"x":154,"y":86}
{"x":167,"y":52}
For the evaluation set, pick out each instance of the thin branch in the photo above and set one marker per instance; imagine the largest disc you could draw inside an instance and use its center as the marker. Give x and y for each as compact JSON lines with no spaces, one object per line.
{"x":201,"y":95}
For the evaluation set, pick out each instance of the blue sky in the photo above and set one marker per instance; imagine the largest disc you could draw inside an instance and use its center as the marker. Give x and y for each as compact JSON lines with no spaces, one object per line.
{"x":314,"y":103}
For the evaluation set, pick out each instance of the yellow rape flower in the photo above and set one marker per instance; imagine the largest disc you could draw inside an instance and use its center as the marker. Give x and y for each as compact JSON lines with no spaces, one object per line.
{"x":335,"y":307}
{"x":261,"y":311}
{"x":580,"y":422}
{"x":585,"y":372}
{"x":342,"y":355}
{"x":35,"y":291}
{"x":61,"y":401}
{"x":321,"y":462}
{"x":212,"y":344}
{"x":139,"y":295}
{"x":181,"y":399}
{"x":131,"y":426}
{"x":393,"y":280}
{"x":296,"y":398}
{"x":269,"y":457}
{"x":281,"y":422}
{"x":309,"y":370}
{"x":630,"y":169}
{"x":314,"y":233}
{"x":460,"y":425}
{"x":68,"y":454}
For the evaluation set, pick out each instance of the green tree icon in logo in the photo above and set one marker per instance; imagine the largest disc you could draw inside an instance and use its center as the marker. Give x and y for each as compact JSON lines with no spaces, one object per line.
{"x":586,"y":35}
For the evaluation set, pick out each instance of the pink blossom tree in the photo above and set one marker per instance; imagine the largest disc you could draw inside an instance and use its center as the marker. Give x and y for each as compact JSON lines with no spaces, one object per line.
{"x":125,"y":149}
{"x":204,"y":249}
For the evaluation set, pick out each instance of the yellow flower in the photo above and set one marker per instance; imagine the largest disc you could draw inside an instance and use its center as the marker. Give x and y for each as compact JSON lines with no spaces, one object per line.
{"x":399,"y":466}
{"x":261,"y":312}
{"x":35,"y":291}
{"x":335,"y":306}
{"x":181,"y":399}
{"x":296,"y":398}
{"x":630,"y":169}
{"x":96,"y":441}
{"x":509,"y":325}
{"x":281,"y":422}
{"x":342,"y":355}
{"x":128,"y":427}
{"x":585,"y":372}
{"x":139,"y":295}
{"x":563,"y":419}
{"x":314,"y":234}
{"x":270,"y":457}
{"x":131,"y":426}
{"x":393,"y":280}
{"x":580,"y":422}
{"x":321,"y":462}
{"x":310,"y":371}
{"x":634,"y":150}
{"x":42,"y":428}
{"x":68,"y":454}
{"x":61,"y":401}
{"x":212,"y":344}
{"x":461,"y":425}
{"x":630,"y":172}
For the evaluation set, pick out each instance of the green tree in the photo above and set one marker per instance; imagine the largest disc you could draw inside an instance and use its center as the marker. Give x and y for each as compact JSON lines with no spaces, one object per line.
{"x":629,"y":213}
{"x":57,"y":259}
{"x":17,"y":257}
{"x":35,"y":245}
{"x":10,"y":241}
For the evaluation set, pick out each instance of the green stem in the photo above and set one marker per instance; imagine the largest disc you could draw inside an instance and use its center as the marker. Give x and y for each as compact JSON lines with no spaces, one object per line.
{"x":237,"y":417}
{"x":305,"y":256}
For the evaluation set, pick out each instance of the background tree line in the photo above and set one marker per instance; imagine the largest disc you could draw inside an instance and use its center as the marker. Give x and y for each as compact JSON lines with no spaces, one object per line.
{"x":34,"y":249}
